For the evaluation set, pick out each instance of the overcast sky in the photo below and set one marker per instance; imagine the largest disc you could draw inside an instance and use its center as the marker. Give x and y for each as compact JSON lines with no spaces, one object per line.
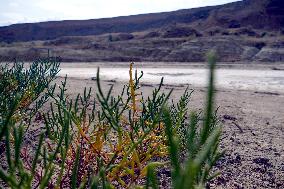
{"x":22,"y":11}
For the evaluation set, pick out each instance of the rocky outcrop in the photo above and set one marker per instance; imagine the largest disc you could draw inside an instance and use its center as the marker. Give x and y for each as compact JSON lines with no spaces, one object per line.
{"x":270,"y":55}
{"x":195,"y":50}
{"x":152,"y":34}
{"x":249,"y":53}
{"x":230,"y":48}
{"x":177,"y":32}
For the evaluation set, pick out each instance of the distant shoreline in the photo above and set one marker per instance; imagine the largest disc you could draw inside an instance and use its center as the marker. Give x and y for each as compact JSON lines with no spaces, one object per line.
{"x":236,"y":65}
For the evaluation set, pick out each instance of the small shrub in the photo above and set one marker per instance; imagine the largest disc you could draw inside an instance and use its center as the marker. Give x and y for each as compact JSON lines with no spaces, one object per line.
{"x":107,"y":141}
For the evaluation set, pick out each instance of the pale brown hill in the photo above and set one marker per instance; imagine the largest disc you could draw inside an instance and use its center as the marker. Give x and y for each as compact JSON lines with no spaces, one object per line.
{"x":244,"y":31}
{"x":260,"y":14}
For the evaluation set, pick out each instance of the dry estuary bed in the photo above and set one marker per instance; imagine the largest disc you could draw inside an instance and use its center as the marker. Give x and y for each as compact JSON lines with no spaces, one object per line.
{"x":251,"y":108}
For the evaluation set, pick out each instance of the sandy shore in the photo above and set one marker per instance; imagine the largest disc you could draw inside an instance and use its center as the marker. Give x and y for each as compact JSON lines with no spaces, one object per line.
{"x":238,"y":65}
{"x":253,"y":130}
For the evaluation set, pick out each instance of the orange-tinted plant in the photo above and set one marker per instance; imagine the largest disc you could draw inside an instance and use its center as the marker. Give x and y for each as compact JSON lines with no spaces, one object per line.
{"x":122,"y":137}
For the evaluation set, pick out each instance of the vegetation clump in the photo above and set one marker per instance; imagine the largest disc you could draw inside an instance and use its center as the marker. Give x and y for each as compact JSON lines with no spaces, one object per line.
{"x":104,"y":141}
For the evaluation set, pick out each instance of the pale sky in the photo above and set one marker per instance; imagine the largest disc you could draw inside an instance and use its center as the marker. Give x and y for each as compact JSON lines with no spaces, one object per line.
{"x":25,"y":11}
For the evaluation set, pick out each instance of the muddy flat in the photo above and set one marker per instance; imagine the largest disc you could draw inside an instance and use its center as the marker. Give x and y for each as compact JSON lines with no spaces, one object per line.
{"x":261,"y":79}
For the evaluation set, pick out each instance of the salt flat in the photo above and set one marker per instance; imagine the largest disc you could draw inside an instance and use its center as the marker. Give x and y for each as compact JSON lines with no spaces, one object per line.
{"x":264,"y":79}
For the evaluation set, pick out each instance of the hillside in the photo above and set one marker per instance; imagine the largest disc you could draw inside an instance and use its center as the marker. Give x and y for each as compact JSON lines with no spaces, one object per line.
{"x":249,"y":30}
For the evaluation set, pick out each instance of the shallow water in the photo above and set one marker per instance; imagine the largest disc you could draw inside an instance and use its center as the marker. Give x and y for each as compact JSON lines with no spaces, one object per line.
{"x":258,"y":80}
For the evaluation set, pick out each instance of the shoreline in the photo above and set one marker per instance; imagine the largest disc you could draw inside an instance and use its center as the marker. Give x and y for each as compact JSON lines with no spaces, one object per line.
{"x":228,"y":65}
{"x":260,"y":78}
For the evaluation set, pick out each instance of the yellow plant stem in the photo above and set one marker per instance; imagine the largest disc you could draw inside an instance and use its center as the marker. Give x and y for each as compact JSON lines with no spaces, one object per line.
{"x":132,"y":90}
{"x":89,"y":141}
